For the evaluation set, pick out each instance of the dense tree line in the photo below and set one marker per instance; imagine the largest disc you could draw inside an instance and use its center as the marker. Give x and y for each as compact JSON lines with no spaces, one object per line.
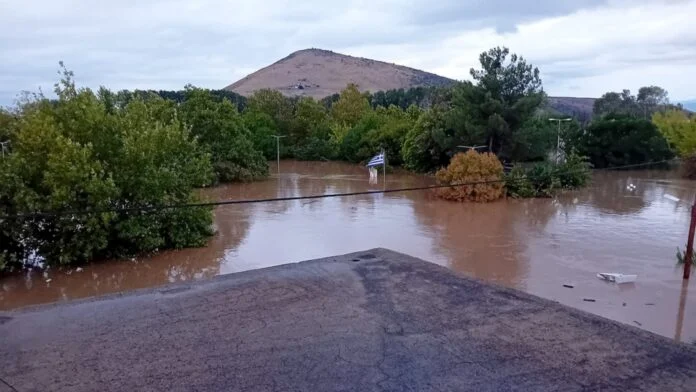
{"x":84,"y":154}
{"x":630,"y":129}
{"x":99,"y":168}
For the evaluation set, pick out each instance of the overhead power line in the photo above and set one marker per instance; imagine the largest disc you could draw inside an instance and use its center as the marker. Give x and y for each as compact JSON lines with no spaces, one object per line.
{"x":43,"y":214}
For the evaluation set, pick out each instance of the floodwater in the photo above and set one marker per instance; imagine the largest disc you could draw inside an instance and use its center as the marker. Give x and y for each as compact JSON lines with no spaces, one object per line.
{"x":535,"y":245}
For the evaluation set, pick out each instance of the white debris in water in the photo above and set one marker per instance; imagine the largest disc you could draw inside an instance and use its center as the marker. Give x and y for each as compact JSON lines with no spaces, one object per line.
{"x":631,"y":187}
{"x":78,"y":269}
{"x":670,"y":197}
{"x":48,"y":280}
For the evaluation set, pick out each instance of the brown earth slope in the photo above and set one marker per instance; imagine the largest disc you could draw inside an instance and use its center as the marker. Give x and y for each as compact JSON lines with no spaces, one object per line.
{"x":319,"y":73}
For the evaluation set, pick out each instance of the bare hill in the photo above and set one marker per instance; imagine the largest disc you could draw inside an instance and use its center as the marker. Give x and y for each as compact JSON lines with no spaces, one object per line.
{"x":319,"y":73}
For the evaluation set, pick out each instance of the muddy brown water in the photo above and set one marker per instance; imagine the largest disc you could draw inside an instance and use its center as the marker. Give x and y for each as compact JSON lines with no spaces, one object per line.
{"x":535,"y":245}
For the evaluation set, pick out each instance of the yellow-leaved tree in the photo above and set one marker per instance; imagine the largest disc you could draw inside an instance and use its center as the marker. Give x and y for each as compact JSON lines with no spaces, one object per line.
{"x":680,"y":131}
{"x":472,"y":167}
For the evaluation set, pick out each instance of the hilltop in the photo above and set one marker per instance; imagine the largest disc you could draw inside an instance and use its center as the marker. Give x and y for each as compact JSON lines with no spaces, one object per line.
{"x":320,"y":73}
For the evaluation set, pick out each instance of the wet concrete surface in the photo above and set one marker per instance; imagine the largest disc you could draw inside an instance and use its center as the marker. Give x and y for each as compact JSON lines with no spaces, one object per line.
{"x":369,"y":321}
{"x":533,"y":245}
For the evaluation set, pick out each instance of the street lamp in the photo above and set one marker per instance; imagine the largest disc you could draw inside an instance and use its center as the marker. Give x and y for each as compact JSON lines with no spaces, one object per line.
{"x":558,"y":134}
{"x":277,"y":137}
{"x":472,"y":147}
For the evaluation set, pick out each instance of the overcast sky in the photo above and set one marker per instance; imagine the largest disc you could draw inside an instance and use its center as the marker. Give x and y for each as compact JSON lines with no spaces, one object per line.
{"x":582,"y":47}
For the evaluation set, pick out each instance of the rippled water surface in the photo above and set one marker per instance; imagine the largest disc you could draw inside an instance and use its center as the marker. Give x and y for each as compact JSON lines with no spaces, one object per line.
{"x":533,"y":245}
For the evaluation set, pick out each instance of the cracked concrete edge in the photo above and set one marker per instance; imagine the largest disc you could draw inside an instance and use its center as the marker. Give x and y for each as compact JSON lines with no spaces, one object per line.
{"x":386,"y":255}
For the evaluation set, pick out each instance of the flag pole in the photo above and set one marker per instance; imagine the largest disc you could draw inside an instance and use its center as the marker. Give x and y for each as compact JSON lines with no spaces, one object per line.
{"x":384,"y":166}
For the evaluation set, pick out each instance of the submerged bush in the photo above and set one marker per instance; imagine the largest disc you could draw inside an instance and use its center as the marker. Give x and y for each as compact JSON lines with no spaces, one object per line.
{"x":574,"y":172}
{"x":472,"y":167}
{"x":546,"y":179}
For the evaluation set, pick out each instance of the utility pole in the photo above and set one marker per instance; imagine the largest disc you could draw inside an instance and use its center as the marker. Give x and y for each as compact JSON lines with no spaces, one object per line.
{"x":689,"y":253}
{"x":558,"y":135}
{"x":277,"y":137}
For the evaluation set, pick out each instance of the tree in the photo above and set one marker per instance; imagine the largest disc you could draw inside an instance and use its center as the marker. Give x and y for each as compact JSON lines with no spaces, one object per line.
{"x":350,"y":107}
{"x":221,"y":130}
{"x":423,"y":145}
{"x":274,"y":104}
{"x":261,"y":128}
{"x":616,"y":104}
{"x":679,"y":129}
{"x":535,"y":139}
{"x":309,"y":114}
{"x":621,"y":140}
{"x":511,"y":91}
{"x":506,"y":81}
{"x":81,"y":157}
{"x":651,"y":98}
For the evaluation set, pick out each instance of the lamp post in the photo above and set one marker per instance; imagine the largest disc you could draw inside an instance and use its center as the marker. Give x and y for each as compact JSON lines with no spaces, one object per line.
{"x":558,"y":135}
{"x":277,"y":137}
{"x":472,"y":147}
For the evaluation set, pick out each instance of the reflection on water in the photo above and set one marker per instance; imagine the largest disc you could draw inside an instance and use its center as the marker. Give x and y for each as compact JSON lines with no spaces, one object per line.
{"x":533,"y":245}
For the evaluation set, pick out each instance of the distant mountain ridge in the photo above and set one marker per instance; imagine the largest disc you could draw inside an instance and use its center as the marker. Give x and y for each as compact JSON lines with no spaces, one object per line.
{"x":319,"y":73}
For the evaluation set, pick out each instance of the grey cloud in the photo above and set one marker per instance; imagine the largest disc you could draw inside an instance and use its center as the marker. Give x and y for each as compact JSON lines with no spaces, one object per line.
{"x":164,"y":44}
{"x":504,"y":15}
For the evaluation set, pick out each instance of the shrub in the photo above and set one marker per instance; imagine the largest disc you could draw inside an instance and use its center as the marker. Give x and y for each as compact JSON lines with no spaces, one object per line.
{"x":574,"y":172}
{"x":545,"y":179}
{"x":472,"y":167}
{"x":518,"y":185}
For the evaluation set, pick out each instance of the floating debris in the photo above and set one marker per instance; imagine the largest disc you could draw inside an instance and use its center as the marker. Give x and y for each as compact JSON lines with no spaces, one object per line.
{"x":637,"y":323}
{"x":570,"y":286}
{"x":589,"y":300}
{"x":617,"y":278}
{"x":78,"y":269}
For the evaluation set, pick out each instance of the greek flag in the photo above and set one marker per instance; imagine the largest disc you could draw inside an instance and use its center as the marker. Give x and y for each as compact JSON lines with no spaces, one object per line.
{"x":376,"y":160}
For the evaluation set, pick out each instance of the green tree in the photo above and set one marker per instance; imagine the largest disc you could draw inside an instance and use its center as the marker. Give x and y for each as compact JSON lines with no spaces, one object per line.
{"x":511,"y":92}
{"x":423,"y":145}
{"x":221,"y":130}
{"x":350,"y":107}
{"x":261,"y":127}
{"x":650,"y":99}
{"x":274,"y":104}
{"x":80,"y":157}
{"x":616,"y":141}
{"x":309,"y":115}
